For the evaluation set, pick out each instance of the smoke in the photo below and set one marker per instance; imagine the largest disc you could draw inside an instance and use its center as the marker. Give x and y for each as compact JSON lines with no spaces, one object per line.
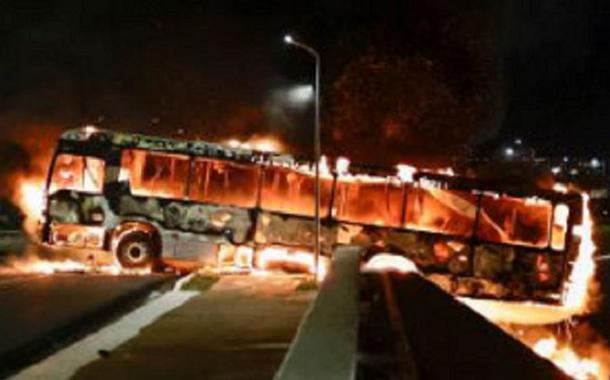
{"x":399,"y":107}
{"x":26,"y":152}
{"x":18,"y":161}
{"x":423,"y":92}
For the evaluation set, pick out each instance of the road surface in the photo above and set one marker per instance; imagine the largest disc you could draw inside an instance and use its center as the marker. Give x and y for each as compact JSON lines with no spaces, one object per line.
{"x":239,"y":329}
{"x":41,"y":313}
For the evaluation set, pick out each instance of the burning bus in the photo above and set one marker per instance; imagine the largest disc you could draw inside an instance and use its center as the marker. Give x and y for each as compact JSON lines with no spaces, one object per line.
{"x":143,"y":200}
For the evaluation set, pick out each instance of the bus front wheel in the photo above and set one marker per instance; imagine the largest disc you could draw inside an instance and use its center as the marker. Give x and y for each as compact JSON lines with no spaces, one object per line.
{"x":136,"y":251}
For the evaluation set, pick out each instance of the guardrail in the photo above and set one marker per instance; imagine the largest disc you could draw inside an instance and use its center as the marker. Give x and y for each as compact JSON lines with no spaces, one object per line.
{"x":451,"y":340}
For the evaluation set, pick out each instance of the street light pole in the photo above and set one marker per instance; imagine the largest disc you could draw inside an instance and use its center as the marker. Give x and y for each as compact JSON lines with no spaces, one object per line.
{"x":317,"y":150}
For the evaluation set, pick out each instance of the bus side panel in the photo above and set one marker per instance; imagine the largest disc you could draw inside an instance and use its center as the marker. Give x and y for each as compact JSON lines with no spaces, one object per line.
{"x":297,"y":231}
{"x":463,"y":268}
{"x":217,"y":223}
{"x":189,"y":246}
{"x":69,"y":209}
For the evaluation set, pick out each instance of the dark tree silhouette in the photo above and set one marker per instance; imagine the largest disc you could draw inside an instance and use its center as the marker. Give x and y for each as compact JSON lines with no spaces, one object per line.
{"x":399,"y":108}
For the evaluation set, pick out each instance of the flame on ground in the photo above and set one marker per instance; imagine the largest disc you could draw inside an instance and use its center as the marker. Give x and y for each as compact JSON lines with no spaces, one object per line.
{"x":564,"y":357}
{"x":297,"y":261}
{"x":576,"y":299}
{"x":50,"y":267}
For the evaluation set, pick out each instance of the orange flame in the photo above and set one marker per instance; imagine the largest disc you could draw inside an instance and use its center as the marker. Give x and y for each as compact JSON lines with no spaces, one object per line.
{"x":262,"y":143}
{"x":576,"y":295}
{"x":576,"y":300}
{"x":49,"y":267}
{"x":280,"y":257}
{"x":29,"y":197}
{"x":567,"y":360}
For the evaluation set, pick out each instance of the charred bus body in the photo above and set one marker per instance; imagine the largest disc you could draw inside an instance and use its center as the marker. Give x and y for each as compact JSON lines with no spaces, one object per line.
{"x":141,"y":199}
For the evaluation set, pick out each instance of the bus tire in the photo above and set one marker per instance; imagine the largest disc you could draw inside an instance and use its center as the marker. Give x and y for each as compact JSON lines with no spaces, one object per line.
{"x":137,"y":251}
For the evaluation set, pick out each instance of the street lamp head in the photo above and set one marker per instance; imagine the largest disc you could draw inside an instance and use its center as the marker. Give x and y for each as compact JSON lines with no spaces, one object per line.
{"x":288,"y":39}
{"x":300,"y":95}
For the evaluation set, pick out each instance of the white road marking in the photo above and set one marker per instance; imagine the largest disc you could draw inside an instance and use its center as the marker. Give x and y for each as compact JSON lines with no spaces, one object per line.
{"x":180,"y":283}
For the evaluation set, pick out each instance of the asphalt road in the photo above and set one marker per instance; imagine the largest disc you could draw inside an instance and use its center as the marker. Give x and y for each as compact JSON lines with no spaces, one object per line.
{"x":42,"y":313}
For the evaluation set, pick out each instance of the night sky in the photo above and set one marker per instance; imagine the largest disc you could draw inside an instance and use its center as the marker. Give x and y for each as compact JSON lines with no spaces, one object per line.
{"x":412,"y":80}
{"x":557,"y":62}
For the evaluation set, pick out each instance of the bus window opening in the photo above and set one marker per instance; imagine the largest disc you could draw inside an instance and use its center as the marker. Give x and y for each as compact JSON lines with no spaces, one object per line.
{"x":155,"y":174}
{"x":376,"y":202}
{"x":519,"y":221}
{"x":442,"y":211}
{"x":292,"y":192}
{"x":224,"y":182}
{"x":79,"y":173}
{"x":560,"y":226}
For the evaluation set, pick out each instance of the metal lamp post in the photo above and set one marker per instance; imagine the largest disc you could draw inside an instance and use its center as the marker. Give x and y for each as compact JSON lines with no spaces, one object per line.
{"x":316,"y":140}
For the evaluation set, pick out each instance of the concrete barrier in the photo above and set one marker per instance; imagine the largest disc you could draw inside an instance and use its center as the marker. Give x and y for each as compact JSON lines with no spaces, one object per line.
{"x":450,"y":341}
{"x":325,"y":345}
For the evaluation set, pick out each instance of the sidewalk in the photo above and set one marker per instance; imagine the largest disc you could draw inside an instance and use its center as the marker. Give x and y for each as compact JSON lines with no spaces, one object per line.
{"x":239,"y":329}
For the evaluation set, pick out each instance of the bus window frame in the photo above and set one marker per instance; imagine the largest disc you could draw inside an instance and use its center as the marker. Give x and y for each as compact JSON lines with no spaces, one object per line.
{"x":465,"y":237}
{"x":332,"y":193}
{"x":208,"y":159}
{"x":547,"y":247}
{"x":567,"y":240}
{"x":400,"y":225}
{"x":49,"y":182}
{"x":182,"y":197}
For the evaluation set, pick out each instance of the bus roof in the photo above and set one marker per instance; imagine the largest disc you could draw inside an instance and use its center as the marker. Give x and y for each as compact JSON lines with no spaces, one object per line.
{"x":99,"y":137}
{"x":94,"y":135}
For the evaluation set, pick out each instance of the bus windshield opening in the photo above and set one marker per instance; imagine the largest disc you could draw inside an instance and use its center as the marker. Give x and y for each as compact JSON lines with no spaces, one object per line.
{"x":79,"y":173}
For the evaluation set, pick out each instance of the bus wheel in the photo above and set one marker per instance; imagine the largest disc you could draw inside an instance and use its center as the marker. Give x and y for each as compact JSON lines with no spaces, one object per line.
{"x":136,"y":250}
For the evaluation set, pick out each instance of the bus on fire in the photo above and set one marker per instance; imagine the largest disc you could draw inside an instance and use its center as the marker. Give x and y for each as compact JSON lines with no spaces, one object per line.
{"x":144,"y":200}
